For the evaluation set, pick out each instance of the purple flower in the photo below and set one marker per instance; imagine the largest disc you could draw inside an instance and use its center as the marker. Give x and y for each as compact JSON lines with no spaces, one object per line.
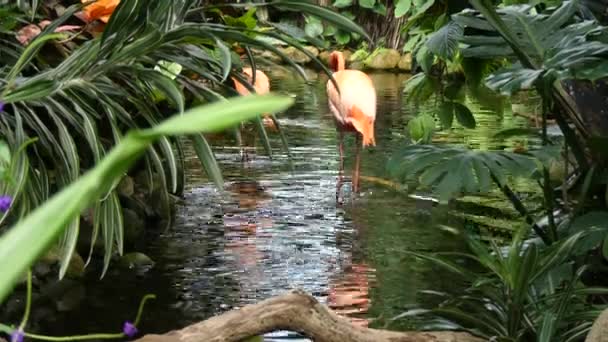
{"x":17,"y":336}
{"x":5,"y":203}
{"x":1,"y":106}
{"x":129,"y":329}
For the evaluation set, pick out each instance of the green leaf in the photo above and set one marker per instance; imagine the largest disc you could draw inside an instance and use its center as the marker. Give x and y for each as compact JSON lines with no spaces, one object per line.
{"x":511,"y":80}
{"x":323,"y":13}
{"x":367,"y":3}
{"x":166,"y":85}
{"x":5,"y":154}
{"x":380,"y":9}
{"x":402,"y":7}
{"x":421,"y":6}
{"x":464,"y":115}
{"x":342,"y":37}
{"x":425,"y":58}
{"x":446,"y":114}
{"x":28,"y":54}
{"x":444,"y":42}
{"x":605,"y":247}
{"x":342,"y":3}
{"x":313,"y":27}
{"x":41,"y":227}
{"x":169,"y":69}
{"x":207,"y":159}
{"x":421,"y":128}
{"x":32,"y":90}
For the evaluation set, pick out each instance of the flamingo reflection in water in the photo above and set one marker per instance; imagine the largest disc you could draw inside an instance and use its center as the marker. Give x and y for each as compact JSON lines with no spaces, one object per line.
{"x":349,"y":293}
{"x":243,"y":229}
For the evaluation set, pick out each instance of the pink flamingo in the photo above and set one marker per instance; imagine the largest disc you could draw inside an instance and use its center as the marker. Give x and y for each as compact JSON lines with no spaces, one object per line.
{"x":354,"y":110}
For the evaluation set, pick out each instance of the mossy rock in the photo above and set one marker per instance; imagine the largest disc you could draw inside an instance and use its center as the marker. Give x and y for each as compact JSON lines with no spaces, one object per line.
{"x":75,"y":267}
{"x":126,"y":187}
{"x":296,"y":55}
{"x":134,"y":225}
{"x":383,"y":59}
{"x":135,"y":260}
{"x":405,"y":62}
{"x":358,"y":56}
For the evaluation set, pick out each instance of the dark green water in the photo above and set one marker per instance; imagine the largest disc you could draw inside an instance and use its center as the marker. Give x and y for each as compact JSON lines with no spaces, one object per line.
{"x":279,"y":227}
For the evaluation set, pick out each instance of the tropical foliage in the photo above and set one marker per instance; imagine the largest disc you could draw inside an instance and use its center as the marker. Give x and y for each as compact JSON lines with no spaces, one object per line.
{"x":77,"y":93}
{"x":45,"y":224}
{"x":538,"y":289}
{"x":516,"y":293}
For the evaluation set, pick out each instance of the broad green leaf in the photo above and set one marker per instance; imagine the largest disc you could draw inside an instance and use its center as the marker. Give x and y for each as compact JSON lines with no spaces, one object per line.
{"x":425,"y":59}
{"x":402,"y":7}
{"x":380,"y":9}
{"x":446,"y":114}
{"x":512,"y":80}
{"x":464,"y":115}
{"x":421,"y":6}
{"x":444,"y":42}
{"x":421,"y":128}
{"x":313,"y":27}
{"x":367,"y":3}
{"x":342,"y":37}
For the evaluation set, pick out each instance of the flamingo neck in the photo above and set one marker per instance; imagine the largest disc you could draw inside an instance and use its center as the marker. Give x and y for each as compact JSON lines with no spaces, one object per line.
{"x":336,"y":61}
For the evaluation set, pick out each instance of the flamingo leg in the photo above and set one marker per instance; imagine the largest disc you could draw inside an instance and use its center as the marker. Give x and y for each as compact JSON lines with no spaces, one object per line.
{"x":357,"y":164}
{"x":341,"y":171}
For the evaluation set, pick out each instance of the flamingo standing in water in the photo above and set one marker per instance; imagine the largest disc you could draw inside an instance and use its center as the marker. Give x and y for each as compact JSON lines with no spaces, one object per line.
{"x":261,"y":86}
{"x":354,"y":110}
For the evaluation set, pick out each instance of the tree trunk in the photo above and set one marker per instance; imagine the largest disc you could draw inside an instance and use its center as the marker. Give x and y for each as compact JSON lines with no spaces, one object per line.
{"x":295,"y":311}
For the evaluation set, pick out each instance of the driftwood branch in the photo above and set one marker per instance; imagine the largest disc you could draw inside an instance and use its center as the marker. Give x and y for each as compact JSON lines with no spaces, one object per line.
{"x":295,"y":311}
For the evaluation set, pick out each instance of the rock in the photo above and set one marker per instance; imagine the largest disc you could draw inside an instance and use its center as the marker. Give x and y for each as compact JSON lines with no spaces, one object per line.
{"x":41,"y":269}
{"x":347,"y":54}
{"x":405,"y":63}
{"x":71,"y":299}
{"x":313,"y":50}
{"x":599,"y":329}
{"x":135,"y":260}
{"x":271,"y":57}
{"x":126,"y":187}
{"x":383,"y":59}
{"x":67,"y":294}
{"x":295,"y":55}
{"x":324,"y":56}
{"x":75,"y":268}
{"x":134,"y":225}
{"x":357,"y":65}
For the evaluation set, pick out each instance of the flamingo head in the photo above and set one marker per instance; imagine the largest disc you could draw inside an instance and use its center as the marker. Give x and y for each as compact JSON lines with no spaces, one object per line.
{"x":336,"y":61}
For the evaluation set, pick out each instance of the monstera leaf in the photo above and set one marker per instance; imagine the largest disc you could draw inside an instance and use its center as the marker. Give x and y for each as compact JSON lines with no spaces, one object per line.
{"x":551,"y":46}
{"x":451,"y":170}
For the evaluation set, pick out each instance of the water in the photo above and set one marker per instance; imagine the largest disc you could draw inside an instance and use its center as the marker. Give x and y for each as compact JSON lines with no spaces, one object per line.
{"x":279,"y":227}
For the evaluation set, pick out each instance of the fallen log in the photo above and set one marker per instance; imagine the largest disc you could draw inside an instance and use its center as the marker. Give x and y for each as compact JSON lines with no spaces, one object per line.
{"x":295,"y":311}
